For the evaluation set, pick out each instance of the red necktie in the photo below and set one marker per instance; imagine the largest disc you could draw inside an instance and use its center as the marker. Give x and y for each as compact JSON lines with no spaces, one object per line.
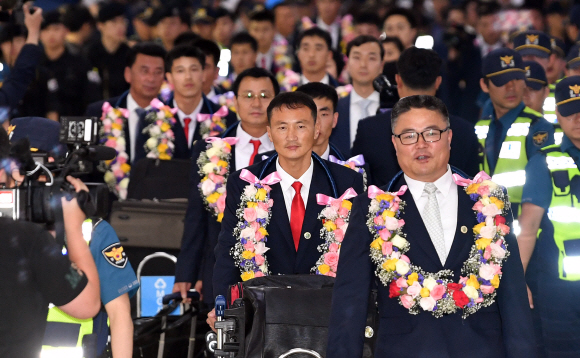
{"x":186,"y":129}
{"x":264,"y":62}
{"x":297,"y":214}
{"x":256,"y":143}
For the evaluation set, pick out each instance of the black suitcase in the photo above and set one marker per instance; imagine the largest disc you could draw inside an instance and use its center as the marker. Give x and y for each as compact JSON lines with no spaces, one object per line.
{"x":159,"y":179}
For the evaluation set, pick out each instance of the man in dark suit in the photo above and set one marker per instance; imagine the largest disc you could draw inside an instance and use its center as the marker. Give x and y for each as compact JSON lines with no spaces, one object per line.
{"x":294,"y":228}
{"x":212,"y":54}
{"x":254,"y":89}
{"x":314,"y":51}
{"x":439,"y":239}
{"x":185,"y":66}
{"x":418,"y":73}
{"x":144,"y":73}
{"x":365,"y":63}
{"x":325,"y":98}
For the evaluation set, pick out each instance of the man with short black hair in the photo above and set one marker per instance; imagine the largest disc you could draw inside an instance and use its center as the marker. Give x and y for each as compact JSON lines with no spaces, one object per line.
{"x":244,"y":49}
{"x":488,"y":35}
{"x":172,"y":22}
{"x":224,"y":27}
{"x":328,"y":19}
{"x":418,"y":73}
{"x":253,"y":89}
{"x":211,"y":71}
{"x":365,"y":63}
{"x":108,"y":55}
{"x":426,"y":310}
{"x":144,"y":70}
{"x":80,"y":24}
{"x":185,"y":73}
{"x":262,"y":28}
{"x":367,"y":23}
{"x":314,"y":51}
{"x":296,"y":176}
{"x":401,"y":23}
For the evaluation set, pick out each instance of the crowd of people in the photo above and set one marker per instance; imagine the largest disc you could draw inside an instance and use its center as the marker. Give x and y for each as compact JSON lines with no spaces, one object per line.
{"x":397,"y":102}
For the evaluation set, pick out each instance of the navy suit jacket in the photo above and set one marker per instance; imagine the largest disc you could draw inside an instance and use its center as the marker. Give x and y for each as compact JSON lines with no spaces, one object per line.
{"x":503,"y":329}
{"x":182,"y":148}
{"x":282,"y":256}
{"x":373,"y":140}
{"x":341,"y":133}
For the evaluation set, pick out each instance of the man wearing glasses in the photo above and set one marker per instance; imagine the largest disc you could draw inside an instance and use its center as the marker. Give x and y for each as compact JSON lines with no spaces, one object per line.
{"x":254,"y":88}
{"x":438,"y":223}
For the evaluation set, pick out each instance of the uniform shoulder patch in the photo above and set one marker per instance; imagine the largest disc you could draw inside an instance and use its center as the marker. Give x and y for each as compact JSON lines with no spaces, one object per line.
{"x":115,"y":255}
{"x":540,"y":138}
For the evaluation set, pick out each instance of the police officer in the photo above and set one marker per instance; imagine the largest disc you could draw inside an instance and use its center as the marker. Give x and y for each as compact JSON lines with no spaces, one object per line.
{"x":551,"y":198}
{"x":118,"y":280}
{"x":513,"y":132}
{"x":573,"y":61}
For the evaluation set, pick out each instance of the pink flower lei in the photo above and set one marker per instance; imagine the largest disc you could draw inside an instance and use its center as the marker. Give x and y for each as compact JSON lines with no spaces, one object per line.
{"x":335,"y":217}
{"x":160,"y":117}
{"x":213,"y":125}
{"x":214,"y":168}
{"x":112,"y":135}
{"x":418,"y":290}
{"x":254,"y":213}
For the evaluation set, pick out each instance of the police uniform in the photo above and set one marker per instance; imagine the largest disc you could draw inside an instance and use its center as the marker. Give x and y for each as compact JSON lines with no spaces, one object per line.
{"x":550,"y":101}
{"x":508,"y":142}
{"x":554,"y":184}
{"x":116,"y":277}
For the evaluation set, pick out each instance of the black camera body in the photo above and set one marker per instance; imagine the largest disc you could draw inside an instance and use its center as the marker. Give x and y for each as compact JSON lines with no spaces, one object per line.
{"x":38,"y":197}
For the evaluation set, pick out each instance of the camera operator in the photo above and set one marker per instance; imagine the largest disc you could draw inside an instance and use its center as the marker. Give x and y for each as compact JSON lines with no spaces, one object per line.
{"x":24,"y":70}
{"x":36,"y":273}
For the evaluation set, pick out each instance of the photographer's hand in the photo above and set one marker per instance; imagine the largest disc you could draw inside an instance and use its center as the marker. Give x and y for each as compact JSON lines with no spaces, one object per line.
{"x":32,"y":22}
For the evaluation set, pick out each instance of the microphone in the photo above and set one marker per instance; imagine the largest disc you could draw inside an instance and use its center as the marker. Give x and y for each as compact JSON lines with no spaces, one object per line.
{"x":97,"y":152}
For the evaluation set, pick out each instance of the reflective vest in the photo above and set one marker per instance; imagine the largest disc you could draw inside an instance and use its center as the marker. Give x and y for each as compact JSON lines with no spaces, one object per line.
{"x":64,"y":334}
{"x":564,"y":211}
{"x":549,"y":106}
{"x":511,"y":163}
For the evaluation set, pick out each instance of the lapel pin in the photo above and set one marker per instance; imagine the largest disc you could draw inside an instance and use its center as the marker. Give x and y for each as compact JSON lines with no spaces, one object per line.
{"x":307,"y":235}
{"x":464,"y":229}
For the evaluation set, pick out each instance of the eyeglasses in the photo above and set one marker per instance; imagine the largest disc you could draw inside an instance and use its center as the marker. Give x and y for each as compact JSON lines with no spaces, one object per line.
{"x":429,"y":136}
{"x":249,"y":96}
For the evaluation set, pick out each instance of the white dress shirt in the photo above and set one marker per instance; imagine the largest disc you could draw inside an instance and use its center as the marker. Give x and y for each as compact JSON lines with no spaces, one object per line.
{"x":133,"y":123}
{"x":356,"y":111}
{"x":244,"y":148}
{"x":326,"y":153}
{"x":268,"y":57}
{"x":211,"y":93}
{"x":446,"y":199}
{"x":333,"y":30}
{"x":193,"y":115}
{"x":325,"y":80}
{"x":288,"y":190}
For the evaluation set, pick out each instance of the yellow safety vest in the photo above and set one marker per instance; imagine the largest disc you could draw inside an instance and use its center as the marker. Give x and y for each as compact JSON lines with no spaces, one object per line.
{"x":511,"y":163}
{"x":564,"y":211}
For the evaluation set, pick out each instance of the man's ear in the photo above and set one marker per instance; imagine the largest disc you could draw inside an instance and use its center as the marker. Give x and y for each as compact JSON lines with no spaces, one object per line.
{"x":483,"y":85}
{"x":437,"y":82}
{"x":316,"y":130}
{"x":268,"y":130}
{"x":169,"y":77}
{"x":335,"y":120}
{"x":393,"y":139}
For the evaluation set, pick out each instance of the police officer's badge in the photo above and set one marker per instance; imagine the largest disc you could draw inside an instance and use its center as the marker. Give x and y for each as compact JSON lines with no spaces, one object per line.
{"x":574,"y":91}
{"x":507,"y":61}
{"x":115,"y":255}
{"x":532,"y":39}
{"x":540,"y":138}
{"x":528,"y":72}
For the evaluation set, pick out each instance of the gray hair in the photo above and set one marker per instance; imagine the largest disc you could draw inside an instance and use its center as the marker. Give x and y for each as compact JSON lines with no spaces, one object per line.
{"x":405,"y":104}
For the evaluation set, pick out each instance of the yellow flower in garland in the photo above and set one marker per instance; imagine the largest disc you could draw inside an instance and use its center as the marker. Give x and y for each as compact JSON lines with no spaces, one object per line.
{"x":165,"y":127}
{"x":162,"y":148}
{"x":390,"y":265}
{"x":252,"y":204}
{"x":482,"y":243}
{"x":222,"y":163}
{"x":248,"y":275}
{"x":323,"y":269}
{"x":220,"y":217}
{"x":414,"y":277}
{"x":472,"y":188}
{"x":117,"y":126}
{"x":248,"y":255}
{"x":263,"y":231}
{"x":329,"y":226}
{"x":495,"y":281}
{"x":346,"y":204}
{"x":497,"y":202}
{"x":477,"y":228}
{"x":164,"y":156}
{"x":425,"y":292}
{"x":377,"y":244}
{"x":385,"y":197}
{"x":388,"y":213}
{"x":473,"y":282}
{"x":261,"y":194}
{"x":213,"y":197}
{"x":126,"y":168}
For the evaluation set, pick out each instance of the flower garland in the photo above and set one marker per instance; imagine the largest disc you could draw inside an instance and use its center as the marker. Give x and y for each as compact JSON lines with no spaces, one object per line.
{"x":355,"y":163}
{"x":111,"y":134}
{"x":166,"y":91}
{"x":343,"y":91}
{"x":254,"y":215}
{"x":224,"y":99}
{"x":435,"y":292}
{"x":212,"y":125}
{"x":214,"y":167}
{"x":335,"y":217}
{"x":282,"y":61}
{"x":161,"y":140}
{"x":289,"y":80}
{"x":347,"y":32}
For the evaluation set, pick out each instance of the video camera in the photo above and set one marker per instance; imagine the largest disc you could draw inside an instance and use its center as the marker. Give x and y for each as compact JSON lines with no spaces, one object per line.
{"x":38,"y":197}
{"x":12,"y":11}
{"x":387,"y":91}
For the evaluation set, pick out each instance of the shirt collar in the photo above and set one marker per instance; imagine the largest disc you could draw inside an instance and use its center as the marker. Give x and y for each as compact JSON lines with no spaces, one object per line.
{"x":192,"y":115}
{"x":325,"y":79}
{"x":244,"y":138}
{"x":510,"y":117}
{"x":326,"y":153}
{"x":324,"y":26}
{"x":374,"y":97}
{"x":443,"y":184}
{"x":569,"y":147}
{"x":211,"y":93}
{"x":288,"y":180}
{"x":131,"y":103}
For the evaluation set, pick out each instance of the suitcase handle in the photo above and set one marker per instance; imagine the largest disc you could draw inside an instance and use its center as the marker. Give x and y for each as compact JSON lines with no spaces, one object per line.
{"x":124,"y":217}
{"x":300,"y":350}
{"x":177,"y":296}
